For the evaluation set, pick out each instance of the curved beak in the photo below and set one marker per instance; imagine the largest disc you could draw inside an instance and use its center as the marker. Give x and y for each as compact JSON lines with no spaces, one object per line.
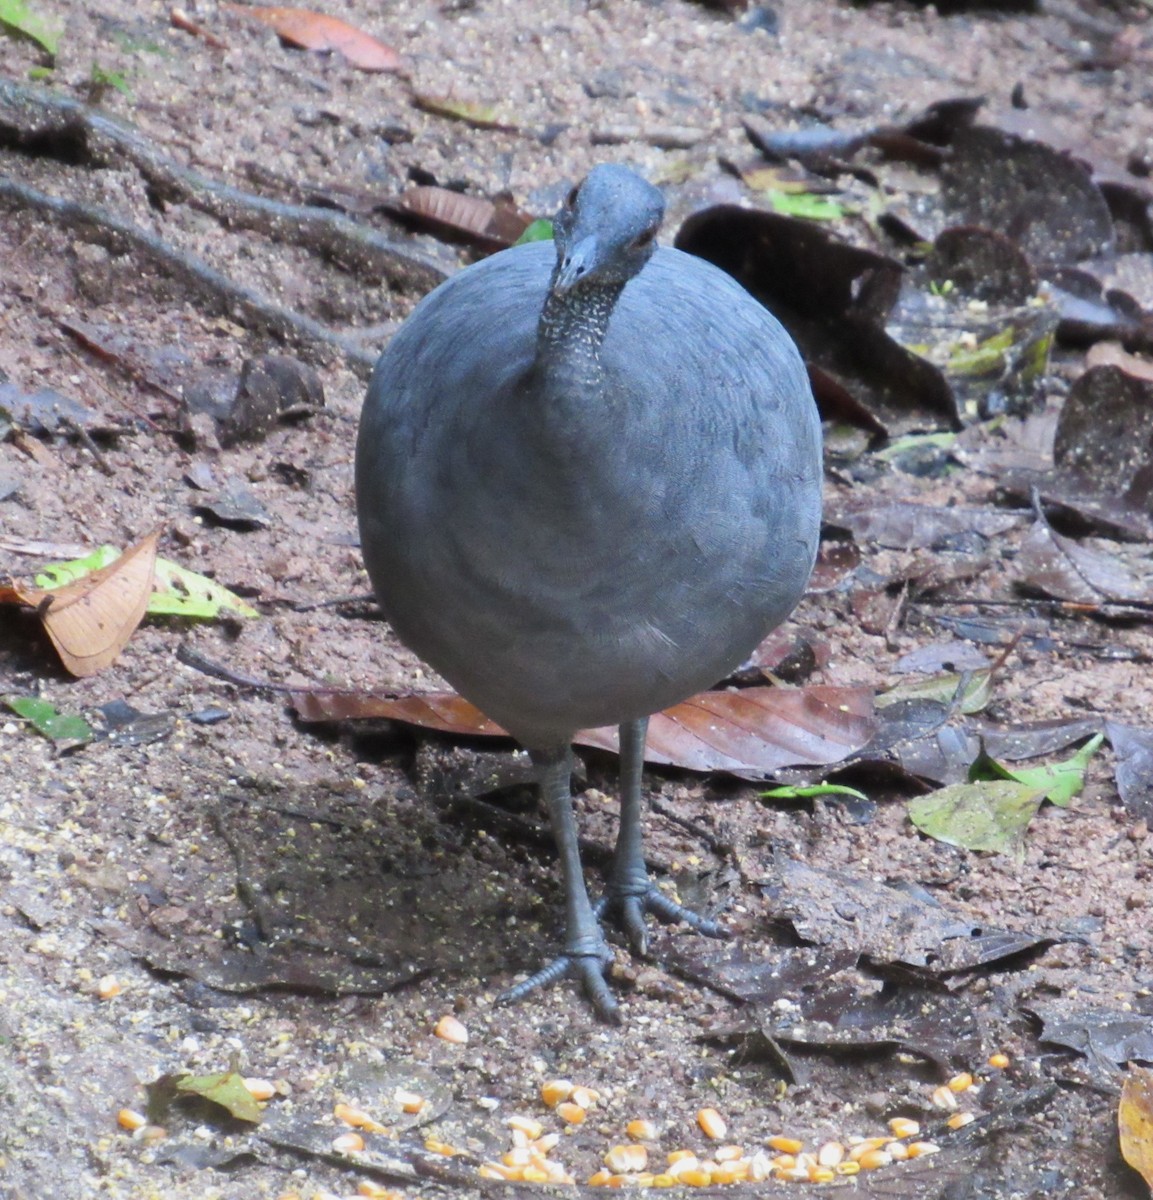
{"x":582,"y":259}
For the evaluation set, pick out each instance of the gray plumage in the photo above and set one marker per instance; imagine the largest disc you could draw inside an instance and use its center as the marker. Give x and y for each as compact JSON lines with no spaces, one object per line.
{"x":588,"y":481}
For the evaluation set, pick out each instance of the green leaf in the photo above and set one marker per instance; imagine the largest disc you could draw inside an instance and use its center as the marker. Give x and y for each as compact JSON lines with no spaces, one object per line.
{"x":183,"y":593}
{"x":991,"y":815}
{"x":912,"y":441}
{"x":805,"y":204}
{"x":177,"y":591}
{"x":539,"y":231}
{"x":17,"y":17}
{"x":105,"y":78}
{"x":58,"y":574}
{"x":789,"y":792}
{"x":976,"y":690}
{"x":1059,"y":782}
{"x":226,"y":1089}
{"x":60,"y":727}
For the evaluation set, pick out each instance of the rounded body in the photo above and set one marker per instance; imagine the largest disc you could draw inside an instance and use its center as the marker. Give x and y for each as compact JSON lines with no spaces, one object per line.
{"x":578,"y":550}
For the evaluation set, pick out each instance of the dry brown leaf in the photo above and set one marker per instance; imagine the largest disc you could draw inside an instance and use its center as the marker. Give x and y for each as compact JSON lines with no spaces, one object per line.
{"x":493,"y":225}
{"x":317,"y":31}
{"x":750,"y":730}
{"x":1135,"y":1121}
{"x":91,"y":620}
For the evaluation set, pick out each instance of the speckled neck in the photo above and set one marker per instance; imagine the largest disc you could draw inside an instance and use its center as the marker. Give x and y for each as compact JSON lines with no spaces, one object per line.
{"x":570,"y":333}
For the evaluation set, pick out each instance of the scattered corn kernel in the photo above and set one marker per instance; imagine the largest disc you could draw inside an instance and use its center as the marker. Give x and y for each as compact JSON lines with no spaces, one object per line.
{"x":943,"y":1097}
{"x":960,"y":1120}
{"x":357,"y":1118}
{"x":376,"y":1191}
{"x":795,"y":1174}
{"x":409,"y":1102}
{"x":436,"y":1146}
{"x":108,"y":987}
{"x":830,"y":1154}
{"x":759,"y":1167}
{"x":917,"y":1149}
{"x":872,"y":1159}
{"x":555,"y":1091}
{"x":784,"y":1162}
{"x":529,"y":1126}
{"x":819,"y":1174}
{"x":534,"y":1174}
{"x":696,"y":1178}
{"x":348,"y":1143}
{"x":729,"y":1153}
{"x":848,"y":1168}
{"x":641,"y":1131}
{"x":627,"y":1160}
{"x":712,"y":1124}
{"x":543,"y":1145}
{"x":863,"y":1146}
{"x":664,"y":1181}
{"x":150,"y":1134}
{"x":731,"y":1172}
{"x":586,"y":1097}
{"x":676,"y":1156}
{"x":897,"y":1151}
{"x":904,"y":1127}
{"x":999,"y":1060}
{"x":128,"y":1118}
{"x":600,"y":1178}
{"x":519,"y":1156}
{"x":572,"y":1113}
{"x":260,"y":1089}
{"x":785,"y":1145}
{"x":451,"y":1030}
{"x":960,"y":1083}
{"x":491,"y":1170}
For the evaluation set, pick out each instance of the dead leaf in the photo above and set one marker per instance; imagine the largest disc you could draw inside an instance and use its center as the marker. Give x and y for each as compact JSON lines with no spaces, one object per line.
{"x":490,"y":224}
{"x":1059,"y":566}
{"x":1133,"y":750}
{"x":317,"y":31}
{"x":91,"y":620}
{"x":1106,"y":430}
{"x":750,"y":731}
{"x":471,"y":112}
{"x":445,"y":712}
{"x":1135,"y":1121}
{"x":755,"y":731}
{"x":1045,"y":200}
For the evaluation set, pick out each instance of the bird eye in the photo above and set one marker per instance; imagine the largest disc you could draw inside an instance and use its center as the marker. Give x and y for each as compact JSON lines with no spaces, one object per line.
{"x":572,"y":196}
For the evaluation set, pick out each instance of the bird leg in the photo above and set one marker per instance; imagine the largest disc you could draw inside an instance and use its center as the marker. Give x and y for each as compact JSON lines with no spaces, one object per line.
{"x":630,"y":892}
{"x":586,"y":954}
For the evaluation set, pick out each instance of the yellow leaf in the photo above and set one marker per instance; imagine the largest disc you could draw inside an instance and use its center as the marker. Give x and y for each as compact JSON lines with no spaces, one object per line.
{"x":1135,"y":1121}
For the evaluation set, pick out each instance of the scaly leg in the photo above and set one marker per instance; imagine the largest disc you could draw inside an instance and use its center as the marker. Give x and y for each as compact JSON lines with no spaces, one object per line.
{"x":586,"y":954}
{"x":630,"y":892}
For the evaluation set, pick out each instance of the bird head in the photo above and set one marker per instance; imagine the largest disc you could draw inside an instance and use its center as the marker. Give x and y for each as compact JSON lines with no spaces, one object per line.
{"x":606,"y":230}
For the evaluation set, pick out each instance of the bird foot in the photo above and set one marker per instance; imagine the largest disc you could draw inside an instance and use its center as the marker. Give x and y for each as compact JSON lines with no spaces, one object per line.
{"x":588,"y":968}
{"x":626,"y":907}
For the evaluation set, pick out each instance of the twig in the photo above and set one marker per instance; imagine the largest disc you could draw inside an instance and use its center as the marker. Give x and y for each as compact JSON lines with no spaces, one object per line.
{"x":110,"y":229}
{"x":36,"y":114}
{"x":85,"y":439}
{"x":196,"y":660}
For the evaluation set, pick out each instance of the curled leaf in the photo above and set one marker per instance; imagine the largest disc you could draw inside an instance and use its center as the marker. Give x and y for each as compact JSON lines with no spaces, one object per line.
{"x":1135,"y":1121}
{"x":91,"y":619}
{"x":317,"y":31}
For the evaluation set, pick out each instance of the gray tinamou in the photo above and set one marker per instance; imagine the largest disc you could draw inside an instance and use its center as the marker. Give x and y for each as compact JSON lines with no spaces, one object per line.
{"x":588,"y":481}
